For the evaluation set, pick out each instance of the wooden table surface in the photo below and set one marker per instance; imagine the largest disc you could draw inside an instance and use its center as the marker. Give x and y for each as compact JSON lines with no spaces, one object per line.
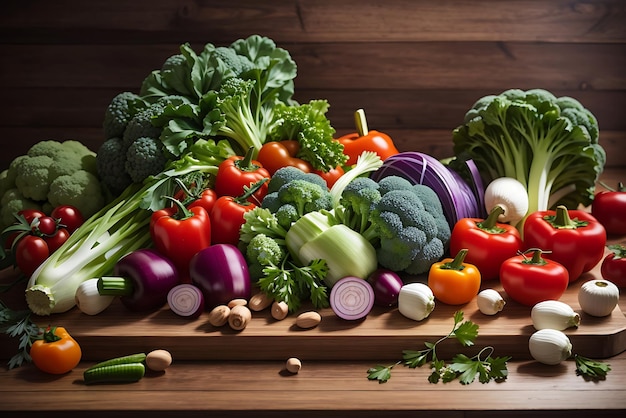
{"x":225,"y":387}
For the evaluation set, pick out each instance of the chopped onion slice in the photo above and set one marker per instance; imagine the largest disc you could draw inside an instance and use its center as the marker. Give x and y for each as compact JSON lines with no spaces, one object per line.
{"x":186,"y":300}
{"x":351,"y":298}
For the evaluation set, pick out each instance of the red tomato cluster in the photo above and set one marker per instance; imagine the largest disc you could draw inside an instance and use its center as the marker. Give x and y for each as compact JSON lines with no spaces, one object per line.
{"x":38,"y":235}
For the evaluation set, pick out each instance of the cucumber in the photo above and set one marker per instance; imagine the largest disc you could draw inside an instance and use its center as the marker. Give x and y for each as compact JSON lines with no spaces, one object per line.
{"x":132,"y":358}
{"x":116,"y":373}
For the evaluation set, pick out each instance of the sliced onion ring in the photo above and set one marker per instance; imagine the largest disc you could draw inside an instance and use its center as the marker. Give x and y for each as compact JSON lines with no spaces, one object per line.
{"x":186,"y":300}
{"x":351,"y":298}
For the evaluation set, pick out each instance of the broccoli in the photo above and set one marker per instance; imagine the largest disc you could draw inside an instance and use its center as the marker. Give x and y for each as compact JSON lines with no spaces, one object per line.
{"x":111,"y":160}
{"x":286,"y":174}
{"x":117,"y":114}
{"x":141,"y":125}
{"x":405,"y":222}
{"x":296,"y":198}
{"x":549,"y":144}
{"x":144,"y":158}
{"x":80,"y":189}
{"x":239,"y":64}
{"x":263,"y":251}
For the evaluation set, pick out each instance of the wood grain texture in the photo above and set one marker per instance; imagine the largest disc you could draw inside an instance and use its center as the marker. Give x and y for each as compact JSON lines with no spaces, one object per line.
{"x":413,"y":65}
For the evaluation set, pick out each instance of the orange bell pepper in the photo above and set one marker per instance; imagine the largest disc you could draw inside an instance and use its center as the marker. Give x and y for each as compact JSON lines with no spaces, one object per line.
{"x":454,"y":282}
{"x":365,"y":140}
{"x":56,"y":352}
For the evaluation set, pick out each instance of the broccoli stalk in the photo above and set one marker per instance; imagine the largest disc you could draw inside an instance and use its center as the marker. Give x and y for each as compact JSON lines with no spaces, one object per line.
{"x":118,"y":228}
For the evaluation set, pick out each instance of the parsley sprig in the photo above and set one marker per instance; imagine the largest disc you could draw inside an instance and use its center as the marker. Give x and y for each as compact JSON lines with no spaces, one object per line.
{"x":18,"y":324}
{"x":462,"y":367}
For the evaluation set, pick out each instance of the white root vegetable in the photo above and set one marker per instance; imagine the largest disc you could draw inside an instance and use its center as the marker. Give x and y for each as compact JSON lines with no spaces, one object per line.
{"x":416,"y":301}
{"x":490,"y":302}
{"x":554,"y":314}
{"x":598,"y":297}
{"x":511,"y":195}
{"x":549,"y":346}
{"x":89,"y":300}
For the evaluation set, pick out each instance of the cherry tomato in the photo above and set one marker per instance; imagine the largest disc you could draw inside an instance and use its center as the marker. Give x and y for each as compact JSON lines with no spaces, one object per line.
{"x":30,"y":252}
{"x":57,"y":352}
{"x":608,"y":207}
{"x":56,"y":240}
{"x":206,"y":200}
{"x":47,"y":225}
{"x":31,"y":214}
{"x":613,"y":267}
{"x":68,"y":216}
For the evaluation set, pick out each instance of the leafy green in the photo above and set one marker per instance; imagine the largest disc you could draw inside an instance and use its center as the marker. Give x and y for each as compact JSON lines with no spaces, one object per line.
{"x":549,"y":144}
{"x":591,"y":369}
{"x":18,"y":324}
{"x":461,"y":367}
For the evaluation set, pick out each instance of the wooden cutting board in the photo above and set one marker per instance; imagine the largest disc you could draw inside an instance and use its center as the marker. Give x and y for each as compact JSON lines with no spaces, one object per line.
{"x":381,"y":336}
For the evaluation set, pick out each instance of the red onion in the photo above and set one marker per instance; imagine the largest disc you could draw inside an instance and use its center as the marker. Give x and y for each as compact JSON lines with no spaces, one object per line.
{"x":186,"y":300}
{"x":386,"y":285}
{"x":351,"y":298}
{"x":457,"y":197}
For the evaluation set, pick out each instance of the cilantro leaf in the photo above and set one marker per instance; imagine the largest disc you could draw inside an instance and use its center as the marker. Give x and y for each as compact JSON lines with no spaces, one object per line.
{"x":466,"y":333}
{"x":380,"y":373}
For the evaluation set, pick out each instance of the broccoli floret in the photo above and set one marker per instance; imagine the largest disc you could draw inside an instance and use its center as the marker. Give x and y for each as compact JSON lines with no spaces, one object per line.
{"x":432,"y":204}
{"x":111,"y":160}
{"x":117,"y":114}
{"x":296,"y":198}
{"x":141,"y":124}
{"x":286,"y":174}
{"x":431,"y":252}
{"x":357,"y":201}
{"x":389,"y":183}
{"x":239,"y":64}
{"x":144,"y":158}
{"x":33,"y":176}
{"x":173,"y":62}
{"x":263,"y":251}
{"x":12,"y":202}
{"x":80,"y":189}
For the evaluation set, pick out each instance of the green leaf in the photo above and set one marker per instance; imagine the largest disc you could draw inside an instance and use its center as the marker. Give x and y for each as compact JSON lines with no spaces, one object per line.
{"x":591,"y":369}
{"x":380,"y":373}
{"x":498,"y":367}
{"x":466,"y":333}
{"x":415,"y":359}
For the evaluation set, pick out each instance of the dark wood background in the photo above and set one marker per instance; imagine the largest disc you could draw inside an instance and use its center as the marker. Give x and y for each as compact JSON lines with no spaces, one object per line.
{"x":414,"y":66}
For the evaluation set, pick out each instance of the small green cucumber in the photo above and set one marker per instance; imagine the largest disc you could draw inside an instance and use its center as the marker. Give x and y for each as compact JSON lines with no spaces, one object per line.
{"x":116,"y":373}
{"x":132,"y":358}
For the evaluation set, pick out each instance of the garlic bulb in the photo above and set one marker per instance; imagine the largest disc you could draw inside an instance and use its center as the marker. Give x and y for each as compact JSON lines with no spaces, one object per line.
{"x":549,"y":346}
{"x":554,"y":314}
{"x":490,"y":302}
{"x":89,"y":300}
{"x":598,"y":297}
{"x":416,"y":301}
{"x":511,"y":195}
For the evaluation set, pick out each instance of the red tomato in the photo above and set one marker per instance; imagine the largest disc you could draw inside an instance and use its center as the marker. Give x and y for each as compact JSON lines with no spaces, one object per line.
{"x":530,"y":281}
{"x":56,"y":240}
{"x":31,"y":214}
{"x":30,"y":252}
{"x":47,"y":225}
{"x":206,"y":200}
{"x":608,"y":208}
{"x":331,"y":176}
{"x":68,"y":216}
{"x":613,"y":266}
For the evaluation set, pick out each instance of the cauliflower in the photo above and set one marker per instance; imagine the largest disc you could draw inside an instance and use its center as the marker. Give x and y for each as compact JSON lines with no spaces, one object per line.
{"x":12,"y":202}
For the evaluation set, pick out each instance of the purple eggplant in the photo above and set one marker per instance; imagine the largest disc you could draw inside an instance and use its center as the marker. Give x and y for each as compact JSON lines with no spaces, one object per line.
{"x":142,"y":279}
{"x":221,"y":272}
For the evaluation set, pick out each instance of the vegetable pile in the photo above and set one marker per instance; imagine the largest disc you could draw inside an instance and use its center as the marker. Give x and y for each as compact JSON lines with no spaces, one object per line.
{"x":215,"y":192}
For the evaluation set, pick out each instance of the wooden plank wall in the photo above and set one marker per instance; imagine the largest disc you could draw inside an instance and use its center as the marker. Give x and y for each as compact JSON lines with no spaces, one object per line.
{"x":415,"y":66}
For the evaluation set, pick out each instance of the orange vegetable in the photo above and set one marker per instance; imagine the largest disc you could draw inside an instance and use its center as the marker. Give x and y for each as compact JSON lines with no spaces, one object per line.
{"x":57,"y":352}
{"x":365,"y":140}
{"x":453,"y":281}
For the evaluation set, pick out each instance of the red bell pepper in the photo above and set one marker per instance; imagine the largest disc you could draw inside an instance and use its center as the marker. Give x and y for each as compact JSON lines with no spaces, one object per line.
{"x":609,"y":208}
{"x":238,"y":172}
{"x":574,"y":238}
{"x":365,"y":140}
{"x":489,"y":242}
{"x":179,"y":233}
{"x":227,"y":215}
{"x":532,"y":280}
{"x":613,"y":266}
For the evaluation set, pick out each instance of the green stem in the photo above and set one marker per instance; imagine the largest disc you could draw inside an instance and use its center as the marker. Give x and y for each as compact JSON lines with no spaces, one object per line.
{"x":245,"y":164}
{"x":562,"y":220}
{"x":536,"y":259}
{"x":457,"y":263}
{"x":489,"y":225}
{"x":115,"y":286}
